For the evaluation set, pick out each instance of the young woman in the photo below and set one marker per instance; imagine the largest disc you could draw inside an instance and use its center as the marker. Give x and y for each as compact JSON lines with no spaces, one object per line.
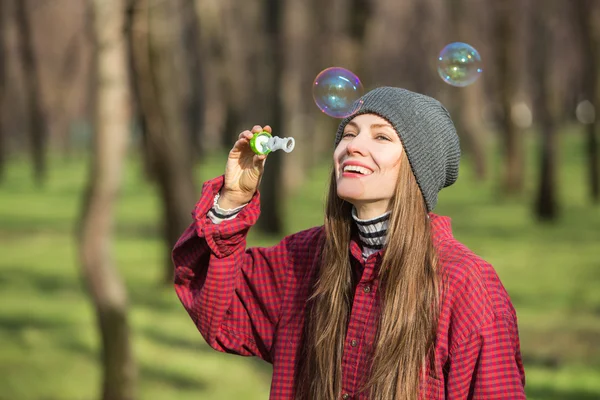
{"x":381,"y":302}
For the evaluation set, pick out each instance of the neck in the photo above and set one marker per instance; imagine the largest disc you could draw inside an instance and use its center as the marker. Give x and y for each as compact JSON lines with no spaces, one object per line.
{"x":372,"y":232}
{"x":370,"y":210}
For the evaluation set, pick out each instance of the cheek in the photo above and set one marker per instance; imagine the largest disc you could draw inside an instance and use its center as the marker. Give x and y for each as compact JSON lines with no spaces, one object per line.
{"x":396,"y":166}
{"x":339,"y":150}
{"x":389,"y":163}
{"x":337,"y":155}
{"x":389,"y":171}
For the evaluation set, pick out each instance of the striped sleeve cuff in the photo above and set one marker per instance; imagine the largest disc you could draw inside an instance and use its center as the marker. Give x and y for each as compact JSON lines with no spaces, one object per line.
{"x":218,"y":214}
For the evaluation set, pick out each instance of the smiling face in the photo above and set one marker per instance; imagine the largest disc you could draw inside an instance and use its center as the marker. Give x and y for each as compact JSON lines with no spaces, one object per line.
{"x":367,"y":161}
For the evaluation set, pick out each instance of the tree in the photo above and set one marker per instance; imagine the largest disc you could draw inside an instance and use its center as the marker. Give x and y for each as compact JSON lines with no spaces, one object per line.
{"x":471,"y":99}
{"x":111,"y":121}
{"x":34,"y":108}
{"x":162,"y":82}
{"x":506,"y":34}
{"x":340,"y":30}
{"x":194,"y":70}
{"x":3,"y":69}
{"x":212,"y":44}
{"x":296,"y":81}
{"x":546,"y":207}
{"x":253,"y":63}
{"x":390,"y":19}
{"x":268,"y":90}
{"x":586,"y":12}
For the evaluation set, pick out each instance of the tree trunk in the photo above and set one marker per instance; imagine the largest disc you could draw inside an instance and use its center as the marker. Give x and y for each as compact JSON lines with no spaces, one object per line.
{"x":160,"y":78}
{"x":592,"y":145}
{"x":297,"y":78}
{"x":468,"y":108}
{"x":3,"y":97}
{"x":33,"y":98}
{"x":474,"y":132}
{"x":213,"y":39}
{"x":512,"y":180}
{"x":112,"y":117}
{"x":242,"y":51}
{"x":590,"y":43}
{"x":194,"y":104}
{"x":546,"y":207}
{"x":253,"y":49}
{"x":391,"y":19}
{"x":340,"y":33}
{"x":269,"y":93}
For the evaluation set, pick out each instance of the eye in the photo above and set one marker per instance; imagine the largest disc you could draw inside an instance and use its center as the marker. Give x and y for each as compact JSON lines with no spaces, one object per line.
{"x":348,"y":134}
{"x":383,"y":137}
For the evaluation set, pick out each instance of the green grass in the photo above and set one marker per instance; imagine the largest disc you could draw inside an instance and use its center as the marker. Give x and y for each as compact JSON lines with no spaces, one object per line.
{"x":48,"y":342}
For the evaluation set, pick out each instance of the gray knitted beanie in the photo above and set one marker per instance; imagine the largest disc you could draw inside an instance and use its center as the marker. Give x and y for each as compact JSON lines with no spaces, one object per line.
{"x":426,"y":132}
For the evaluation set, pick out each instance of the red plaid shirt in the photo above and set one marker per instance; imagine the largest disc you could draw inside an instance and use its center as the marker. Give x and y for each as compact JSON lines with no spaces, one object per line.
{"x":251,"y":302}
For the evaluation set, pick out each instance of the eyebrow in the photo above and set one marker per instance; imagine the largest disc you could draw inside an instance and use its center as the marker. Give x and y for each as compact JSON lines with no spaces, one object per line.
{"x":381,"y":126}
{"x":372,"y":126}
{"x":352,"y":124}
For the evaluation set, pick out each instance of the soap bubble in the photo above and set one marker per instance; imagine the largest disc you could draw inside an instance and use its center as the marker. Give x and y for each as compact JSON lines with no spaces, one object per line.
{"x":337,"y":92}
{"x":459,"y":64}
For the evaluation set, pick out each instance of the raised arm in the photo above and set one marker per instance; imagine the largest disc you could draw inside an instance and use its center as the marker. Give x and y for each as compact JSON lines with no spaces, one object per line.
{"x":233,"y":294}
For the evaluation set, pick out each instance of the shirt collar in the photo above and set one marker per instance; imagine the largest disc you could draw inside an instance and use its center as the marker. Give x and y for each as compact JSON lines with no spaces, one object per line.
{"x":372,"y":233}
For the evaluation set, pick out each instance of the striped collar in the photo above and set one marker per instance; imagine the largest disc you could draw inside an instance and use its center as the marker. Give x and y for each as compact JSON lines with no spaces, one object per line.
{"x":372,"y":233}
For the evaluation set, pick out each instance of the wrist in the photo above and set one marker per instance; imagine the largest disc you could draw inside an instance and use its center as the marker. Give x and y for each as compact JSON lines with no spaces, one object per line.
{"x":229,"y":201}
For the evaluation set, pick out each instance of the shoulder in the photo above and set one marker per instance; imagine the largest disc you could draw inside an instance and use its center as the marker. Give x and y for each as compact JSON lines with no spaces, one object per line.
{"x":465,"y":273}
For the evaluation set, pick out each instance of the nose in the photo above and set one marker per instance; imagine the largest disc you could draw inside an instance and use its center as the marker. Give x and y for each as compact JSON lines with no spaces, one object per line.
{"x":357,"y":145}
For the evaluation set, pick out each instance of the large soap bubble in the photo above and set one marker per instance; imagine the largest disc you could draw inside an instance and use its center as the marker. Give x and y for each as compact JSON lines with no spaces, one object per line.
{"x":337,"y":92}
{"x":459,"y":64}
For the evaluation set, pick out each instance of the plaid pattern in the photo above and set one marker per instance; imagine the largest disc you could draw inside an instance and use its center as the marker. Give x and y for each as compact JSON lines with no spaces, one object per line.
{"x":251,"y":302}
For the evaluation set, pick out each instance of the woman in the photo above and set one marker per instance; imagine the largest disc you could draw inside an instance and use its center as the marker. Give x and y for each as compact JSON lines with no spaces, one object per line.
{"x":379,"y":303}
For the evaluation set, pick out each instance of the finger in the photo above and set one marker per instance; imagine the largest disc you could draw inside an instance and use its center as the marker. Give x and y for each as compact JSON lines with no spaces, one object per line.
{"x":268,"y":129}
{"x":259,"y":159}
{"x":259,"y":162}
{"x":257,"y":129}
{"x":246,"y":134}
{"x":241,"y":144}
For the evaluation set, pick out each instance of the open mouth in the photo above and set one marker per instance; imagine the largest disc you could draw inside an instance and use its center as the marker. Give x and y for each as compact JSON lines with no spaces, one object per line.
{"x":356,"y":170}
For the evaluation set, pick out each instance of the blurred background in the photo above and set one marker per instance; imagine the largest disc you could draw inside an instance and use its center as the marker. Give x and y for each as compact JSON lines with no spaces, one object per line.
{"x":114,"y":112}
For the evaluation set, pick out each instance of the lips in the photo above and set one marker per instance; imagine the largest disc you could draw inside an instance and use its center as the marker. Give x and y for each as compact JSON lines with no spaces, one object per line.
{"x":357,"y":168}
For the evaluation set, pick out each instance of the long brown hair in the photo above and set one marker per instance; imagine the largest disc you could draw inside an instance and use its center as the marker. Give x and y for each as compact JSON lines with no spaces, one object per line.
{"x":408,"y":293}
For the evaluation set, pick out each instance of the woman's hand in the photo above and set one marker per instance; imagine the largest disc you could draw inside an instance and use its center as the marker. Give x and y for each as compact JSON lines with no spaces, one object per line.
{"x":243,"y":171}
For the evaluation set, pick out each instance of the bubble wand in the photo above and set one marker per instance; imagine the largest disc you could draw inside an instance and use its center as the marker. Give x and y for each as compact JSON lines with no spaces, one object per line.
{"x":264,"y":143}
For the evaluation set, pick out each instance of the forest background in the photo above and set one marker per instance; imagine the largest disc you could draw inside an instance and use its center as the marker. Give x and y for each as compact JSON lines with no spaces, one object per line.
{"x":113,"y":113}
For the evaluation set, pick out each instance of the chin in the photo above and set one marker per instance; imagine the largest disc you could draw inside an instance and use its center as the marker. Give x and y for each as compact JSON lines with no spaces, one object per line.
{"x":349,"y":197}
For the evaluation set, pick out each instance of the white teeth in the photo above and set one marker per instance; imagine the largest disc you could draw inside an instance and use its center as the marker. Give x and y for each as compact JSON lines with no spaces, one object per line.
{"x":356,"y":168}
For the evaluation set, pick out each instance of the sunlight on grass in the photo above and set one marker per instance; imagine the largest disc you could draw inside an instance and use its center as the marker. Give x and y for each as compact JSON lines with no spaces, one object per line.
{"x":49,"y":346}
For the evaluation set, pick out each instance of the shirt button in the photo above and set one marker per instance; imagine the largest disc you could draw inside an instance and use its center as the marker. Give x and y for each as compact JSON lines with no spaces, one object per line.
{"x":367,"y":289}
{"x":353,"y":343}
{"x":345,"y":396}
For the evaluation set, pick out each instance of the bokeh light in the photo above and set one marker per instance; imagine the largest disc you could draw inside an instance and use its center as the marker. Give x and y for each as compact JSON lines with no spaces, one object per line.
{"x":459,"y":64}
{"x":337,"y":92}
{"x":585,"y":112}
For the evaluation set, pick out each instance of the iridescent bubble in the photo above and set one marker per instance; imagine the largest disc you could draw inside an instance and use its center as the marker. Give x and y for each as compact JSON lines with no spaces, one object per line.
{"x":459,"y":64}
{"x":337,"y":92}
